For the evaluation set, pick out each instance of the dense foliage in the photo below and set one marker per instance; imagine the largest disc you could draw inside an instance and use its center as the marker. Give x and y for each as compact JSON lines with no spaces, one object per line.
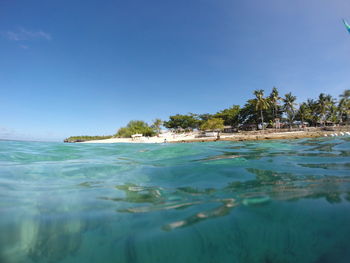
{"x":86,"y":138}
{"x":267,"y":110}
{"x":157,"y":124}
{"x":215,"y":124}
{"x":136,"y":127}
{"x":230,"y":115}
{"x":185,"y":122}
{"x":261,"y":110}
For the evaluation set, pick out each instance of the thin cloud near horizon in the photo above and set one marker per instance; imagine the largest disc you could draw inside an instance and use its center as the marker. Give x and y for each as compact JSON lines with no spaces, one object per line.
{"x":23,"y":34}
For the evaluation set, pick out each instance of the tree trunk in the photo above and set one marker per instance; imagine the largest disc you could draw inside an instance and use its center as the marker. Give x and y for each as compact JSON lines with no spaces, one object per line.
{"x":274,"y":116}
{"x":275,"y":112}
{"x":323,"y":121}
{"x":302,"y":123}
{"x":262,"y":119}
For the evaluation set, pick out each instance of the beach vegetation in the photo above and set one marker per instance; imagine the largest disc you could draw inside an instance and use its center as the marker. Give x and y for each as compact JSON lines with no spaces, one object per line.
{"x":312,"y":107}
{"x":344,"y":106}
{"x":332,"y":114}
{"x":289,"y":107}
{"x":214,"y":124}
{"x":324,"y":102}
{"x":204,"y":117}
{"x":157,"y":124}
{"x":274,"y":99}
{"x":258,"y":111}
{"x":261,"y":104}
{"x":135,"y":127}
{"x":248,"y":114}
{"x":303,"y":113}
{"x":185,"y":122}
{"x":84,"y":138}
{"x":230,"y":115}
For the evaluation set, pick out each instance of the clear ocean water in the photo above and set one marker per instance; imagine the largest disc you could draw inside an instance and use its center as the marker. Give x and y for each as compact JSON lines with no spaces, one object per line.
{"x":273,"y":201}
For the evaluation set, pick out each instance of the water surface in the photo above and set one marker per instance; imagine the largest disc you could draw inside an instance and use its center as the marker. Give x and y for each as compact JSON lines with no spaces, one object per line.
{"x":273,"y":201}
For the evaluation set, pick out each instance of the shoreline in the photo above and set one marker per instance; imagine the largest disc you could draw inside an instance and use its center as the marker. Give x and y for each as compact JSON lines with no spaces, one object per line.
{"x":246,"y":136}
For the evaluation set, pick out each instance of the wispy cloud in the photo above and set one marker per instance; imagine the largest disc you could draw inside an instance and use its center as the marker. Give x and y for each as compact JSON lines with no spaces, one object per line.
{"x":23,"y":46}
{"x":24,"y":35}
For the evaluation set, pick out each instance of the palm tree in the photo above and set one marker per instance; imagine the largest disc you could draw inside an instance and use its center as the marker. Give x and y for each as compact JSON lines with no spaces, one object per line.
{"x":342,"y":109}
{"x":303,"y":112}
{"x":332,"y":114}
{"x":261,"y":104}
{"x":324,"y":103}
{"x":346,"y":94}
{"x":313,"y":109}
{"x":274,"y":98}
{"x":289,"y":103}
{"x":344,"y":105}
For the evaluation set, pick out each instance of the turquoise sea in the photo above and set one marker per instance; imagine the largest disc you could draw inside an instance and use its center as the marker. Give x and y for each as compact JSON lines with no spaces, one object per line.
{"x":273,"y":201}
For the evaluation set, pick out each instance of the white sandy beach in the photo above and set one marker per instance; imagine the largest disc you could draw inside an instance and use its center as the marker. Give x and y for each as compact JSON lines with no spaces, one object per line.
{"x":169,"y":137}
{"x":193,"y":137}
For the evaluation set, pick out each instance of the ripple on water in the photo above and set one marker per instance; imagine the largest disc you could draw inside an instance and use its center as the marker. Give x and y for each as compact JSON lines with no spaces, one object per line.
{"x":273,"y":201}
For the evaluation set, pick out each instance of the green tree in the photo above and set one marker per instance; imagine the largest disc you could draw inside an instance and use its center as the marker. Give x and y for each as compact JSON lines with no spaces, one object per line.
{"x":182,"y":121}
{"x":136,"y":127}
{"x":274,"y":98}
{"x":84,"y":138}
{"x":312,"y":107}
{"x":345,"y":94}
{"x":303,"y":113}
{"x":289,"y":103}
{"x":333,"y":114}
{"x":248,"y":114}
{"x":205,"y":116}
{"x":157,"y":124}
{"x":344,"y":106}
{"x":324,"y":103}
{"x":230,"y":115}
{"x":214,"y":124}
{"x":261,"y":104}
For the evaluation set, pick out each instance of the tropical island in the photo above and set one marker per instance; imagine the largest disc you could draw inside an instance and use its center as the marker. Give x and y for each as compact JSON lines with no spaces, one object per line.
{"x":262,"y":117}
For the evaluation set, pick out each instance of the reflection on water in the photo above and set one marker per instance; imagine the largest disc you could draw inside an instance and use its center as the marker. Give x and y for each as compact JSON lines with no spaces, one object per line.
{"x":275,"y":201}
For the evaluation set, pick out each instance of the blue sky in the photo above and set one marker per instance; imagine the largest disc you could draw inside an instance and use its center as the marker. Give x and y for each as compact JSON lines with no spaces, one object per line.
{"x":88,"y":67}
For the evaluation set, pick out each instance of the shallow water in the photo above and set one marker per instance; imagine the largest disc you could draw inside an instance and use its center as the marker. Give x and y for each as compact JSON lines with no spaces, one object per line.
{"x":273,"y":201}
